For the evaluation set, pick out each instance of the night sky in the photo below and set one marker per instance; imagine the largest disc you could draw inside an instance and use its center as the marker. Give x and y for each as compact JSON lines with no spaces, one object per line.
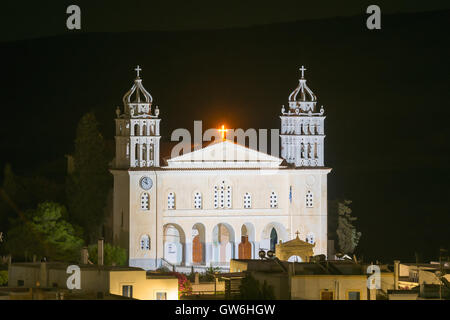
{"x":385,"y":92}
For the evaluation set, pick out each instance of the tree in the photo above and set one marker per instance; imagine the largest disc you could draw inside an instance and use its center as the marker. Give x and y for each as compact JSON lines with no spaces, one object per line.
{"x":88,"y":185}
{"x":20,"y":194}
{"x":45,"y":233}
{"x":251,"y":289}
{"x":113,"y":255}
{"x":3,"y":278}
{"x":347,"y":235}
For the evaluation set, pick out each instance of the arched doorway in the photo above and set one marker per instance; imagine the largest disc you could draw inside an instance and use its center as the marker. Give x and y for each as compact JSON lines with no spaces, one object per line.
{"x":245,"y":247}
{"x":198,"y":244}
{"x":272,"y":234}
{"x":174,"y":242}
{"x":273,"y":239}
{"x":223,"y":244}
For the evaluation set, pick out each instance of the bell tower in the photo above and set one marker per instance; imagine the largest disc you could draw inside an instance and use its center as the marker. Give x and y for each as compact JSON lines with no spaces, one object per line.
{"x":137,"y":129}
{"x":302,"y":128}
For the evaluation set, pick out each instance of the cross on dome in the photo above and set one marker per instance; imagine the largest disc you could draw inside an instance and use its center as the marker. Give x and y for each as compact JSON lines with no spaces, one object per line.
{"x":297,"y":233}
{"x":138,"y":69}
{"x":302,"y":93}
{"x":302,"y":69}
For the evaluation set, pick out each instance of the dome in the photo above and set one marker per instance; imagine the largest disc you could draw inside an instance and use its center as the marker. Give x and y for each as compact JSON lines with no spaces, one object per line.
{"x":302,"y":93}
{"x":137,"y":93}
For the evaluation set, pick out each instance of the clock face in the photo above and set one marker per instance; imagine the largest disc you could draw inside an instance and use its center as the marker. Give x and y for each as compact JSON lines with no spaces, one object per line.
{"x":146,"y":183}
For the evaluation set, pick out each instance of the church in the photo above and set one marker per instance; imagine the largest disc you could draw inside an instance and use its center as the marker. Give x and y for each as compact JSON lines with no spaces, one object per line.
{"x":222,"y":201}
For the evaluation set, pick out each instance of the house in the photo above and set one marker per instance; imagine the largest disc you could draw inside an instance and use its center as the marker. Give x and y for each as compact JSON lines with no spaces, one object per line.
{"x":320,"y":280}
{"x":101,"y":282}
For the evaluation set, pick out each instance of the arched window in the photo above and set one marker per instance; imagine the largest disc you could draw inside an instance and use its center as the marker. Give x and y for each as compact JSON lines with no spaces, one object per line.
{"x":273,"y":200}
{"x":145,"y":202}
{"x":229,"y":197}
{"x":223,"y":196}
{"x":247,"y":200}
{"x":310,"y":238}
{"x":136,"y":129}
{"x":136,"y":152}
{"x":197,"y":200}
{"x":216,"y":197}
{"x":144,"y":151}
{"x":152,"y":129}
{"x":309,"y":199}
{"x":152,"y":156}
{"x":171,"y":201}
{"x":145,"y":242}
{"x":144,"y":130}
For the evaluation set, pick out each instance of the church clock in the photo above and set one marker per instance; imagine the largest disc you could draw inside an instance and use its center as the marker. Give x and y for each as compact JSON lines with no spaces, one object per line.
{"x":146,"y":183}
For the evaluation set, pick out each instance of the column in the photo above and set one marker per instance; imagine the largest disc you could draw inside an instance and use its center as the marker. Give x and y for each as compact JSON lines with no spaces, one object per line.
{"x":133,"y":153}
{"x":188,"y":246}
{"x":237,"y":241}
{"x":208,"y":246}
{"x":255,"y":251}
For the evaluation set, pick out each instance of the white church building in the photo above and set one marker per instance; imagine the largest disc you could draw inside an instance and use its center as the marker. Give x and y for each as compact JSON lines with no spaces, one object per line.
{"x":221,"y":201}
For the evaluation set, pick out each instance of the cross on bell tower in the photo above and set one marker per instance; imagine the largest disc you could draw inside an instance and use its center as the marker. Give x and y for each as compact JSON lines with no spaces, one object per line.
{"x":302,"y":70}
{"x":138,"y":69}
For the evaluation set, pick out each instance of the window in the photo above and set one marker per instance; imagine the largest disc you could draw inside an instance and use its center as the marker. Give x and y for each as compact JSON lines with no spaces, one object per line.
{"x":247,"y":200}
{"x":220,"y":193}
{"x":354,"y":295}
{"x":127,"y":291}
{"x":197,"y":200}
{"x":171,"y":201}
{"x":222,"y":196}
{"x":326,"y":295}
{"x":273,"y":200}
{"x":216,"y":197}
{"x":229,"y":197}
{"x":161,"y":296}
{"x":145,"y":242}
{"x":144,"y":151}
{"x":309,"y":199}
{"x":145,"y":201}
{"x":310,"y":238}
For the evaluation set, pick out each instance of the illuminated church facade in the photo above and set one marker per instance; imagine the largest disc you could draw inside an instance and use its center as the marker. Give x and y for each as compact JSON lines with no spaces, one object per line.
{"x":222,"y":201}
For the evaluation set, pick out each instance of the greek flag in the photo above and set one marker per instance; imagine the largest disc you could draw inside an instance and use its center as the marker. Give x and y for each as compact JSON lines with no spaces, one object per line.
{"x":290,"y":194}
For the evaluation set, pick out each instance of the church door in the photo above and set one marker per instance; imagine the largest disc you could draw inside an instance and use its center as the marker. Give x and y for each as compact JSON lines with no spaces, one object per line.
{"x":197,"y":250}
{"x":245,"y":248}
{"x":273,"y":239}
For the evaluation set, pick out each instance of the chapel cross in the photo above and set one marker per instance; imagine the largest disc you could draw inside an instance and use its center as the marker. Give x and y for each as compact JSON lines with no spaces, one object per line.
{"x":297,"y":233}
{"x":302,"y":69}
{"x":137,"y":70}
{"x":223,"y":131}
